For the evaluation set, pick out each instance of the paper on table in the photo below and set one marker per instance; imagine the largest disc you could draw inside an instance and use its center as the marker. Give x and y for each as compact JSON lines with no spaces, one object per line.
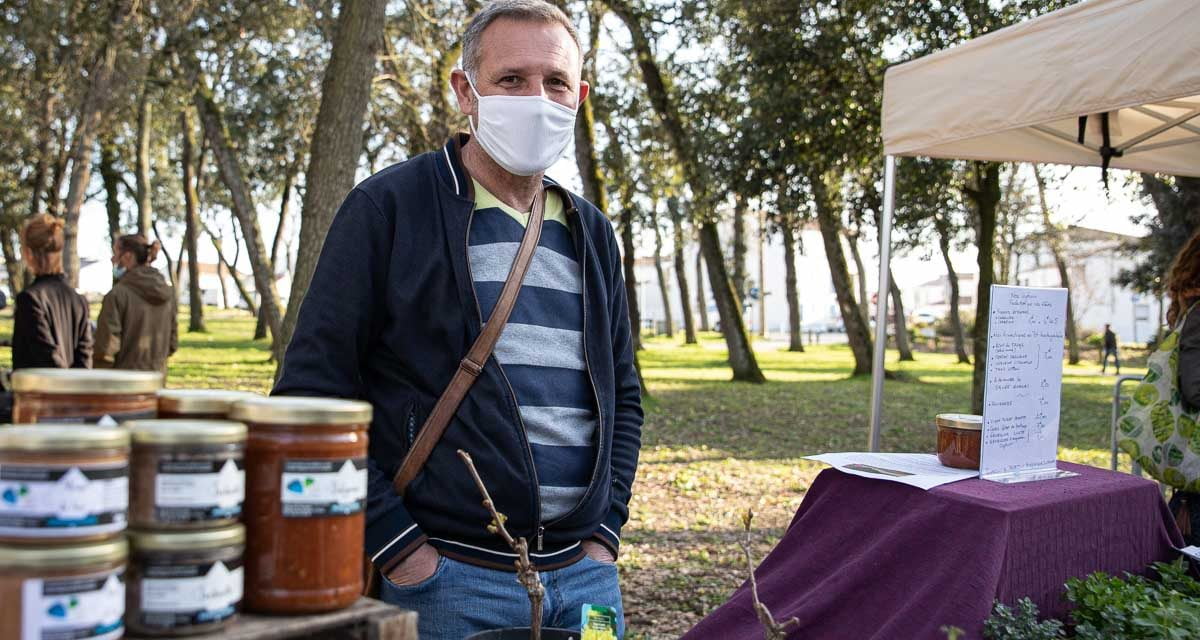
{"x":921,"y":470}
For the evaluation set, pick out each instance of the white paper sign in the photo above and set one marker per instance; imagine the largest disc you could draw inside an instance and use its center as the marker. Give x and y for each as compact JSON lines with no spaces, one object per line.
{"x":921,"y":470}
{"x":1023,"y":386}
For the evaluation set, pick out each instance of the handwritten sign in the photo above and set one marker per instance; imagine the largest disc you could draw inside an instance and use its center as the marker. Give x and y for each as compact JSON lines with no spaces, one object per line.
{"x":1023,"y":386}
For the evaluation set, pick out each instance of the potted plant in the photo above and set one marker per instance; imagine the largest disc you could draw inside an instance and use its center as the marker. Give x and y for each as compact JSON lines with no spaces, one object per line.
{"x":527,"y":575}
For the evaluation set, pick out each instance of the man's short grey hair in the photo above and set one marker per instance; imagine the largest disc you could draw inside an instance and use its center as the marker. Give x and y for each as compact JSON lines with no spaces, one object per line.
{"x":527,"y":10}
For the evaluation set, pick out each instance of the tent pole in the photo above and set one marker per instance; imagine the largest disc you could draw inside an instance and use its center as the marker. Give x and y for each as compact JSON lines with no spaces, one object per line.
{"x":881,"y":306}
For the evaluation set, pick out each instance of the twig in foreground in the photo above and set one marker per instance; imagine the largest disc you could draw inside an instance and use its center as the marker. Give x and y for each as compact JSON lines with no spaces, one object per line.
{"x":527,"y":575}
{"x":772,"y":630}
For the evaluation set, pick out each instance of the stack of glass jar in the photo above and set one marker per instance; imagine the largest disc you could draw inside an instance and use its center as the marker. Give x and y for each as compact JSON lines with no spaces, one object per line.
{"x":69,"y":568}
{"x":64,"y":499}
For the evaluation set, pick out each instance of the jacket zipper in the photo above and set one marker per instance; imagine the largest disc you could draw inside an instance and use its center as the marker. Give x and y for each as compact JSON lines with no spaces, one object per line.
{"x":595,"y":393}
{"x":537,"y":496}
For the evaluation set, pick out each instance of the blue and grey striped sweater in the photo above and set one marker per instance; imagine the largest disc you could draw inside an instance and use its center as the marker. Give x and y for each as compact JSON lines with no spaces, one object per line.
{"x":541,"y":348}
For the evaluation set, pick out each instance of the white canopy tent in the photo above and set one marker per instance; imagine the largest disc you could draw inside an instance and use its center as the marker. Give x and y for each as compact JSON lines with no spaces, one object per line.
{"x":1113,"y":83}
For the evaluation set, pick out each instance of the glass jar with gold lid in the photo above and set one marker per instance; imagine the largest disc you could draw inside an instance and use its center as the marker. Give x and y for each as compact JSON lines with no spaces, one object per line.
{"x":187,"y":474}
{"x":84,"y":395}
{"x":306,"y":473}
{"x":63,"y":483}
{"x":203,"y":404}
{"x":184,"y":582}
{"x":959,"y":437}
{"x":86,"y":580}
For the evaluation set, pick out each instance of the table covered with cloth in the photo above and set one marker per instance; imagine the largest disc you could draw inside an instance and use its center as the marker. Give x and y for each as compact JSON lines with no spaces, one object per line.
{"x":870,"y":559}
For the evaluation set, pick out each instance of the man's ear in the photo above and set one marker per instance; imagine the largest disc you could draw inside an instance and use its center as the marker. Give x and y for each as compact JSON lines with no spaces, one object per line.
{"x":462,"y":91}
{"x":585,"y":90}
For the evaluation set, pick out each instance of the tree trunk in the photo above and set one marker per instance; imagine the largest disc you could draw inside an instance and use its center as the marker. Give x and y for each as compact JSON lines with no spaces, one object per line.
{"x":960,"y":347}
{"x":791,"y":290}
{"x":285,"y":210}
{"x":738,"y":273}
{"x":95,"y":101}
{"x":762,"y":274}
{"x":1054,"y":239}
{"x":57,"y":176}
{"x":192,"y":224}
{"x":985,"y":195}
{"x":144,"y":205}
{"x":244,"y":210}
{"x":689,"y":326}
{"x":221,"y":272}
{"x":906,"y":354}
{"x":864,"y":303}
{"x":231,"y":269}
{"x":663,"y":289}
{"x":585,"y":129}
{"x":858,"y":331}
{"x":112,"y":188}
{"x":741,"y":357}
{"x":336,"y":145}
{"x":733,"y":328}
{"x":12,"y":264}
{"x":701,"y":299}
{"x":44,"y":135}
{"x":627,"y":263}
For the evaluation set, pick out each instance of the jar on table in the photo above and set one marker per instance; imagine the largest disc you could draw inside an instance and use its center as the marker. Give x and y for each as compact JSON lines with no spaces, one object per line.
{"x":306,"y":473}
{"x":63,"y":483}
{"x":73,"y":591}
{"x":186,"y":474}
{"x":959,"y":437}
{"x":183,"y":583}
{"x":199,"y":404}
{"x":84,"y":395}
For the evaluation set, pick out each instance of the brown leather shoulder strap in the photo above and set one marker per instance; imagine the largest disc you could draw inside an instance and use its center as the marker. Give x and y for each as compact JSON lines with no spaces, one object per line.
{"x":472,"y":365}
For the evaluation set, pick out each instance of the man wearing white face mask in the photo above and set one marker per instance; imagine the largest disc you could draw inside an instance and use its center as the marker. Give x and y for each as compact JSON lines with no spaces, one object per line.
{"x":413,"y":267}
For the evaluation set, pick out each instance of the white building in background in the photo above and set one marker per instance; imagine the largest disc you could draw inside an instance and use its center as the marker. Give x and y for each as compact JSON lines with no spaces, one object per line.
{"x":1094,"y":258}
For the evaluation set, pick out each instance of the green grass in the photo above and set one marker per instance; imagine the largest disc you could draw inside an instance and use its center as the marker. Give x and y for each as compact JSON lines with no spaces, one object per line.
{"x":713,"y":448}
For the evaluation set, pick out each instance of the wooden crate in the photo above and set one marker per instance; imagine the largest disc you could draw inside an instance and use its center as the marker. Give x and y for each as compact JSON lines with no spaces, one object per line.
{"x":366,"y":619}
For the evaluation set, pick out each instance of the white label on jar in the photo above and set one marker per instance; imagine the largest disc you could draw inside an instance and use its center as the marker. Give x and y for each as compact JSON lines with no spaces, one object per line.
{"x":176,"y":596}
{"x":47,"y":501}
{"x":314,"y":488}
{"x":88,"y":608}
{"x":196,"y":490}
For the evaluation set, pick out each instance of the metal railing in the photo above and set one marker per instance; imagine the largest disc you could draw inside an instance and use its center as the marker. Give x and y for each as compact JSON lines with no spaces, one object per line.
{"x":1116,"y":415}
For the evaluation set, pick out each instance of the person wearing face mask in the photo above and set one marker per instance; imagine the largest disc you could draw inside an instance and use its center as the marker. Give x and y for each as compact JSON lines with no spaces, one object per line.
{"x":136,"y":328}
{"x":410,"y":273}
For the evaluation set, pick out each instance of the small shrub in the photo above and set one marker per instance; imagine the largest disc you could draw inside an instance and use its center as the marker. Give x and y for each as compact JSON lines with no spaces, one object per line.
{"x":1134,"y":608}
{"x":1023,"y":624}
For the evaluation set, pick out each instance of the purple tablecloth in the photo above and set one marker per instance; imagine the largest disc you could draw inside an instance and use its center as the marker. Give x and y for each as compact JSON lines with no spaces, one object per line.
{"x":873,"y":559}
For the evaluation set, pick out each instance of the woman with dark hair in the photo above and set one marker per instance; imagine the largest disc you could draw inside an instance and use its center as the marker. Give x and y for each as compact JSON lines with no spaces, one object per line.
{"x":51,"y":327}
{"x":1183,"y":285}
{"x":137,"y":327}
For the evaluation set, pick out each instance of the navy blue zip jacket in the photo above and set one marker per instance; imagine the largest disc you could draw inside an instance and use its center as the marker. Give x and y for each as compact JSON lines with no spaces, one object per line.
{"x":390,"y":313}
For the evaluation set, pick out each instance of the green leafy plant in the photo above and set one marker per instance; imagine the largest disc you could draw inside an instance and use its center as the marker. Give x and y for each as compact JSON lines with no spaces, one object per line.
{"x":1134,"y":607}
{"x":1022,"y":624}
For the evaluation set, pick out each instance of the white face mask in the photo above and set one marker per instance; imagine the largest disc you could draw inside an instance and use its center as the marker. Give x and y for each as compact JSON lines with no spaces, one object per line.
{"x":523,"y":134}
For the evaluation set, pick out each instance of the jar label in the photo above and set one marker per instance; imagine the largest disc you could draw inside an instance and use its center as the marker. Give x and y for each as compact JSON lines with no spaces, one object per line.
{"x":50,"y":501}
{"x":314,"y":488}
{"x":198,"y":490}
{"x":105,"y":419}
{"x":176,"y":596}
{"x":89,"y":608}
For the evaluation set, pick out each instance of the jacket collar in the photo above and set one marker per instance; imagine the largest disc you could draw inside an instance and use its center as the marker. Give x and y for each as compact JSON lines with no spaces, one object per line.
{"x":457,"y":180}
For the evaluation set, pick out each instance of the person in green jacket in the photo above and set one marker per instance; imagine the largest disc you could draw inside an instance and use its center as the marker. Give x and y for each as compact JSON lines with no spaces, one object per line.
{"x":136,"y":328}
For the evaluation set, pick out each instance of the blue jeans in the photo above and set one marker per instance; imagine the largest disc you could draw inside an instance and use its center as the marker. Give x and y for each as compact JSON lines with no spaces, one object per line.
{"x":460,"y":599}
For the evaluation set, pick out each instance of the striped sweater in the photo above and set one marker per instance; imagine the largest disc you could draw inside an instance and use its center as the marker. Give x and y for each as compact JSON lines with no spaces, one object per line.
{"x":541,"y":348}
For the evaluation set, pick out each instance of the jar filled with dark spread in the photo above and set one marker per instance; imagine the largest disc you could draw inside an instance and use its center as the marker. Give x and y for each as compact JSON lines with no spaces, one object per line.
{"x":73,"y":591}
{"x":199,"y":404}
{"x":959,"y":437}
{"x":84,"y":396}
{"x":186,"y":474}
{"x":183,"y":583}
{"x":63,"y":483}
{"x":306,"y":475}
